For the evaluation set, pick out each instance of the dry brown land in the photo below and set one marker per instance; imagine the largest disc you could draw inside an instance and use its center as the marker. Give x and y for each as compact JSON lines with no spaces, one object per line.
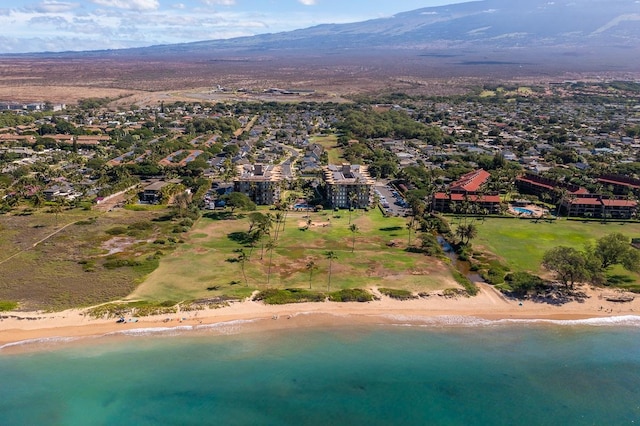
{"x":149,"y":80}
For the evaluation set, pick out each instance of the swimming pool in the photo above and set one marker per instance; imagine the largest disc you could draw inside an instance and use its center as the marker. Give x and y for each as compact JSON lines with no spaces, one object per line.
{"x":522,"y":210}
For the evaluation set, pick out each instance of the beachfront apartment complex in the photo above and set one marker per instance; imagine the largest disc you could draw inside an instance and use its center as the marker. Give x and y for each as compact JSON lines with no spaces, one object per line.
{"x":261,"y":183}
{"x":348,"y":186}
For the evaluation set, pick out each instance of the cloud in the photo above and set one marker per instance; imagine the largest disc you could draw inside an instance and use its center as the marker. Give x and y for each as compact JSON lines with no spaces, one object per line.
{"x":308,"y":2}
{"x":49,"y":6}
{"x":219,"y":2}
{"x":129,"y":4}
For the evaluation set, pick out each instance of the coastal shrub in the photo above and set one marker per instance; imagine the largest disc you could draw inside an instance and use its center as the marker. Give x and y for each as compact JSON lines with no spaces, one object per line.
{"x":523,"y":283}
{"x":188,"y":222}
{"x":430,"y":245}
{"x":495,"y":272}
{"x":141,"y":226}
{"x":351,"y":295}
{"x":465,"y":282}
{"x":454,"y":292}
{"x":88,"y":265}
{"x":7,"y":305}
{"x":290,"y":295}
{"x":113,"y":263}
{"x":397,"y":294}
{"x":89,"y":221}
{"x":116,"y":230}
{"x":140,"y":308}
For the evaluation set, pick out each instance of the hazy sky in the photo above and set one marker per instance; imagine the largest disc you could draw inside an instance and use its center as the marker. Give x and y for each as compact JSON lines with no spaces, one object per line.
{"x":58,"y":25}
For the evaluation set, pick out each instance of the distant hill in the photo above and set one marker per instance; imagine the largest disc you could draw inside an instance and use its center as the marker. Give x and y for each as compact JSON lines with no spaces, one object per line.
{"x":487,"y":24}
{"x":561,"y":35}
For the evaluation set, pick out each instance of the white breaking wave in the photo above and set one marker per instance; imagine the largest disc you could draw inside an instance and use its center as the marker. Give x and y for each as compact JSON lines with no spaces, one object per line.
{"x":466,"y":321}
{"x":44,"y":340}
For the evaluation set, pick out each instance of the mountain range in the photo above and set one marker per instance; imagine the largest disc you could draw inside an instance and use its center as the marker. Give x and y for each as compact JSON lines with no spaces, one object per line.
{"x":485,"y":37}
{"x":569,"y":26}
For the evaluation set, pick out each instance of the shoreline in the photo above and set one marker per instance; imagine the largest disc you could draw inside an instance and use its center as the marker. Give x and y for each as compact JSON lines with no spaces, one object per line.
{"x":22,"y":329}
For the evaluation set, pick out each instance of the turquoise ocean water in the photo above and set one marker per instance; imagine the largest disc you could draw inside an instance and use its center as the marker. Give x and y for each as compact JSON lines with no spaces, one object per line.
{"x":482,"y":373}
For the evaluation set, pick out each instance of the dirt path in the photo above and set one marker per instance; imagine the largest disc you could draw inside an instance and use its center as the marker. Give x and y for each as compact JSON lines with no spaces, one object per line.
{"x":37,"y":242}
{"x":492,"y":294}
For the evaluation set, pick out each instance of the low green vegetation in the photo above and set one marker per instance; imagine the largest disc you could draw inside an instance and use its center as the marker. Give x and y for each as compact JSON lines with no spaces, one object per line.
{"x":397,"y":294}
{"x":289,"y":295}
{"x":6,"y":305}
{"x":468,"y":286}
{"x":140,"y":308}
{"x":351,"y":295}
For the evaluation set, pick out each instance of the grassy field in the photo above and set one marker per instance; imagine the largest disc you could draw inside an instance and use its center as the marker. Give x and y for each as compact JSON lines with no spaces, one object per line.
{"x":522,"y":243}
{"x":206,"y":265}
{"x":330,"y":144}
{"x":78,"y":258}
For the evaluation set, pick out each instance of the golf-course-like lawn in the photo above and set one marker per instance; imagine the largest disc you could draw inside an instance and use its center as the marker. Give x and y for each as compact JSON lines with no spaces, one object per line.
{"x":207,"y":266}
{"x":522,"y":243}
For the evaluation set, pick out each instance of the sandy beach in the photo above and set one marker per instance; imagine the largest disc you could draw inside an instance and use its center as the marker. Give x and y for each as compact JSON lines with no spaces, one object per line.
{"x":489,"y":304}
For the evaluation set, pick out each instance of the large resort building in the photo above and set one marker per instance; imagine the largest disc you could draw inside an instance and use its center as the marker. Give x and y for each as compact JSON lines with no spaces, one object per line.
{"x":348,"y":186}
{"x":576,"y":201}
{"x":469,"y":190}
{"x":261,"y":183}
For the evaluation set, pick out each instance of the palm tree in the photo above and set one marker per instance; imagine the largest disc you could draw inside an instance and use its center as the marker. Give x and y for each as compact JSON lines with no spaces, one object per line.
{"x":37,"y":199}
{"x":331,"y":255}
{"x":354,"y":230}
{"x":352,"y":197}
{"x":410,"y":229}
{"x":242,"y":259}
{"x":278,"y":218}
{"x":56,"y":208}
{"x":271,"y":244}
{"x":563,"y":195}
{"x":466,"y":232}
{"x":311,"y":266}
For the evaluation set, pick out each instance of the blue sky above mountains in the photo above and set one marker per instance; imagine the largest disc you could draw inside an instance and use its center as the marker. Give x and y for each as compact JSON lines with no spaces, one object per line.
{"x":60,"y":25}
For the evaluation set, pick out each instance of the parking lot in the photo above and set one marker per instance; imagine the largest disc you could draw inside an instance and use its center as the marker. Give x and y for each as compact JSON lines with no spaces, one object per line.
{"x":390,"y":200}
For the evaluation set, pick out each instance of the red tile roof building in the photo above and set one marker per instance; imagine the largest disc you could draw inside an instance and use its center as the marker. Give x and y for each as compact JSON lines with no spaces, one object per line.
{"x":468,"y":190}
{"x":598,"y":206}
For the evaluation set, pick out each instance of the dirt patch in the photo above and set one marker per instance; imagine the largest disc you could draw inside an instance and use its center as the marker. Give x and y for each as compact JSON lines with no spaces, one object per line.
{"x":120,"y":244}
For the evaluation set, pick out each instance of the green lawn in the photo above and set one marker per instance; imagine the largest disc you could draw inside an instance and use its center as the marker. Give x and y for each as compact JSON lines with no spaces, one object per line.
{"x":205,"y":265}
{"x":330,"y":144}
{"x":522,"y":243}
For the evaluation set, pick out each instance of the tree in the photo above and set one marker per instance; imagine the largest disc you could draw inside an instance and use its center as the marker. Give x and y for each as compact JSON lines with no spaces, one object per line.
{"x":271,"y":245}
{"x":466,"y":232}
{"x":331,"y":255}
{"x":242,"y":259}
{"x":613,"y":249}
{"x":352,"y":197}
{"x":182,"y":201}
{"x":569,"y":264}
{"x":240,"y":201}
{"x":354,"y":230}
{"x":311,"y":266}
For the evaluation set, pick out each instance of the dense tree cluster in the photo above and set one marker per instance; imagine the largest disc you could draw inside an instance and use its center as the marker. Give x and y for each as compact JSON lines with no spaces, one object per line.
{"x":398,"y":124}
{"x":571,"y":265}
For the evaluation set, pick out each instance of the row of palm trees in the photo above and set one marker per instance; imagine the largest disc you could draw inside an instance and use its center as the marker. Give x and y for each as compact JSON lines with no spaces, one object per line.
{"x":271,"y":225}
